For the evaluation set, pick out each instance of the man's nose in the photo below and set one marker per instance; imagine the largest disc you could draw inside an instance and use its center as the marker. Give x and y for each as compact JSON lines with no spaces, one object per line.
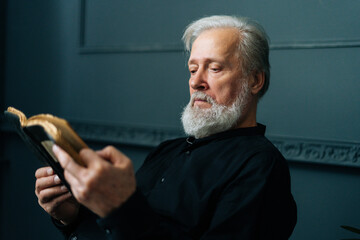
{"x":199,"y":81}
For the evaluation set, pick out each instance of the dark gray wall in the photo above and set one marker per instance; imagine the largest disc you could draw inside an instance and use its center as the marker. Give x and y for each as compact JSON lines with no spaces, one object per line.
{"x":117,"y":71}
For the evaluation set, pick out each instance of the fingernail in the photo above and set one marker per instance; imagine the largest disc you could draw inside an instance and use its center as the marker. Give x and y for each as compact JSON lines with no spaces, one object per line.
{"x":50,"y":171}
{"x":57,"y":179}
{"x":63,"y":187}
{"x":55,"y":148}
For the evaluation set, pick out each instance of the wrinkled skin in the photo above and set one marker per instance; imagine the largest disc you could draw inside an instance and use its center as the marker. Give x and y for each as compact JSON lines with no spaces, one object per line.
{"x":104,"y":184}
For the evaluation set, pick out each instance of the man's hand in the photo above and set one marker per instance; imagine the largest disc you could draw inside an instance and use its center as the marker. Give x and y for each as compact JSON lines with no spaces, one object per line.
{"x":106,"y":181}
{"x":54,"y":197}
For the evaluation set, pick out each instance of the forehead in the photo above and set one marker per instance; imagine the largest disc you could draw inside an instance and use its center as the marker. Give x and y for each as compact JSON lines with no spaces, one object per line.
{"x":215,"y":43}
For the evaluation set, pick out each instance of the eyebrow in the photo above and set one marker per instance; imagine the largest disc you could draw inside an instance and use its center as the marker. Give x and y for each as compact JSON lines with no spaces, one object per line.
{"x":207,"y":60}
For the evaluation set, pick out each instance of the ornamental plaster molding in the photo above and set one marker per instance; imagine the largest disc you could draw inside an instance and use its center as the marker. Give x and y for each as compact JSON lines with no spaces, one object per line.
{"x":293,"y":148}
{"x":121,"y":134}
{"x":318,"y":151}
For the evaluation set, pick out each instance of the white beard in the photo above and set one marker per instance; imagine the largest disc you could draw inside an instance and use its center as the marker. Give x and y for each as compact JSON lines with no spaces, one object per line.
{"x":201,"y":123}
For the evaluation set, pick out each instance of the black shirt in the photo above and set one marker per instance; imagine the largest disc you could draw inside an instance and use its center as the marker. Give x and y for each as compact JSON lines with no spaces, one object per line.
{"x":231,"y":185}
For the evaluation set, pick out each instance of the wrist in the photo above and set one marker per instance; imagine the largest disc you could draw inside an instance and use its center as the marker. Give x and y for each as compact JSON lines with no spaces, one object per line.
{"x":69,"y":220}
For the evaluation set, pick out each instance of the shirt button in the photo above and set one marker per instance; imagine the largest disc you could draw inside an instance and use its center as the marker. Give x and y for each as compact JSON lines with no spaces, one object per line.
{"x":73,"y":237}
{"x":187,"y":152}
{"x":107,"y":231}
{"x":163,"y":180}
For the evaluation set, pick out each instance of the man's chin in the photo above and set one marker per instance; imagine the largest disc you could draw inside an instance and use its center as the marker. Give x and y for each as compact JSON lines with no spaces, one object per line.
{"x":201,"y":105}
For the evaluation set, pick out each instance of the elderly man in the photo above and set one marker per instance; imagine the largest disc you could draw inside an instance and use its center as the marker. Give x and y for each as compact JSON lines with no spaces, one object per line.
{"x":224,"y":181}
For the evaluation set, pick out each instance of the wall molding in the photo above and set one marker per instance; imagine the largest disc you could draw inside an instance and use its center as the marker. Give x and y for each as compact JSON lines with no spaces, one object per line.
{"x":294,"y":149}
{"x":129,"y":48}
{"x":174,"y":47}
{"x":315,"y":44}
{"x":318,"y":151}
{"x":178,"y":47}
{"x":121,"y":48}
{"x":123,"y":134}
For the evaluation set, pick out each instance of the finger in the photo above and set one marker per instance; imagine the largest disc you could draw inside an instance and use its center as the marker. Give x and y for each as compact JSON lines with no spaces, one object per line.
{"x":77,"y":187}
{"x":107,"y":152}
{"x":73,"y":181}
{"x":44,"y":172}
{"x":91,"y":158}
{"x":66,"y":162}
{"x":47,"y":182}
{"x":51,"y":206}
{"x":49,"y":194}
{"x":111,"y":154}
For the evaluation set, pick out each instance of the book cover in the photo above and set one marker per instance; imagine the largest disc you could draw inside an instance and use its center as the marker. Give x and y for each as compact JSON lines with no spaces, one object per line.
{"x":41,"y":132}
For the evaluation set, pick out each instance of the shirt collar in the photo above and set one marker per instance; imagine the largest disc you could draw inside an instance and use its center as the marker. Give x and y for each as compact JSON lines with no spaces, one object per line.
{"x":248,"y":131}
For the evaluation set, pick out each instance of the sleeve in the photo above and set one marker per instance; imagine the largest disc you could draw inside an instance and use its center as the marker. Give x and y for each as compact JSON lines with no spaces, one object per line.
{"x":136,"y":220}
{"x":133,"y":220}
{"x":257,"y":204}
{"x":85,"y":227}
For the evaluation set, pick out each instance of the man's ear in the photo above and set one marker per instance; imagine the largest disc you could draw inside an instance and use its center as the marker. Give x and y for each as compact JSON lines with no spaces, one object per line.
{"x":257,"y":82}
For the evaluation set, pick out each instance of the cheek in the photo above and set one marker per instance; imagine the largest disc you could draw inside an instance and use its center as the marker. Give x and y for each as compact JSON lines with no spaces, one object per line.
{"x":228,"y":97}
{"x":227,"y":93}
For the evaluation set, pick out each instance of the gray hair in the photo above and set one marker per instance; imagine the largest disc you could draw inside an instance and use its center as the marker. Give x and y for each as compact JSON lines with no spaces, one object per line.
{"x":253,"y":44}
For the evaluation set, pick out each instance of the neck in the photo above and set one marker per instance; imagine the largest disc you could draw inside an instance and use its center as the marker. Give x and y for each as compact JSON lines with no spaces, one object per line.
{"x":248,"y":118}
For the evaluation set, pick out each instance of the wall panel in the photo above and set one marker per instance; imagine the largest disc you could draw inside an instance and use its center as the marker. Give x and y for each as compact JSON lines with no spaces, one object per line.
{"x":117,"y":71}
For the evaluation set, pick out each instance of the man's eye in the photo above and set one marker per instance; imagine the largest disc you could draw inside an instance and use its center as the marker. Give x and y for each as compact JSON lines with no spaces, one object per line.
{"x":192,"y":71}
{"x":214,"y":69}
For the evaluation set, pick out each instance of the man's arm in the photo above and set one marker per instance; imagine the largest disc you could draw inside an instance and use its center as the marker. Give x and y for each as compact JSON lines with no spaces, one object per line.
{"x":106,"y":186}
{"x":258,"y":204}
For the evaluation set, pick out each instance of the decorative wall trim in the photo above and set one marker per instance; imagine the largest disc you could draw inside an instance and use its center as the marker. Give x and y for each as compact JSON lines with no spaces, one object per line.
{"x":293,"y":149}
{"x":173,"y":47}
{"x":318,"y":151}
{"x":156,"y":47}
{"x":178,"y":47}
{"x":122,"y":48}
{"x":341,"y":43}
{"x":120,"y":134}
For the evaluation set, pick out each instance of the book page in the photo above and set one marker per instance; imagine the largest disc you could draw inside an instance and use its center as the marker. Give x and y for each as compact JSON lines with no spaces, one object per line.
{"x":48,"y":144}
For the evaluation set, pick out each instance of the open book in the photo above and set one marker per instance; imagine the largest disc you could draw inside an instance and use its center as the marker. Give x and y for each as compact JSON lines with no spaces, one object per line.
{"x":41,"y":132}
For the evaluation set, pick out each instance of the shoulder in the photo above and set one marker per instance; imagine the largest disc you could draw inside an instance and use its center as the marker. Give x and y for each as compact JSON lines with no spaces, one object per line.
{"x":266,"y":148}
{"x":257,"y":145}
{"x":261,"y":154}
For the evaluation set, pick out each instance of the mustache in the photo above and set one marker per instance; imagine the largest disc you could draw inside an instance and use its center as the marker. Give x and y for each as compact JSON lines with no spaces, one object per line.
{"x":201,"y":96}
